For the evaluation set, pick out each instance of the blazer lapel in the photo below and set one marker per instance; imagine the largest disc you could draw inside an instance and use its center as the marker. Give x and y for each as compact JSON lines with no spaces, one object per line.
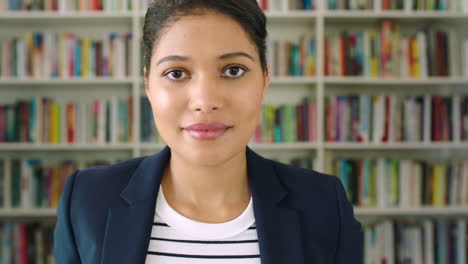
{"x":128,"y":228}
{"x":278,"y":226}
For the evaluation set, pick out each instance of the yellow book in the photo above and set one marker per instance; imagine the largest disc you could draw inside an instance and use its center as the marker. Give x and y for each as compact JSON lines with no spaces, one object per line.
{"x":373,"y":54}
{"x":310,"y":61}
{"x":438,"y":185}
{"x":54,"y":123}
{"x":29,"y":43}
{"x":415,"y":65}
{"x":85,"y":66}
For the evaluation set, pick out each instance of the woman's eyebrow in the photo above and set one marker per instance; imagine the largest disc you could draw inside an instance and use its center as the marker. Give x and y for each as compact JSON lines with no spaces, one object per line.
{"x":235,"y":54}
{"x":222,"y":57}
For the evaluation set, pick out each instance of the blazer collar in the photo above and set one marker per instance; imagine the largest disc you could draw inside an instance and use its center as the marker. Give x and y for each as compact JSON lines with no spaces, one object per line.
{"x":278,"y":226}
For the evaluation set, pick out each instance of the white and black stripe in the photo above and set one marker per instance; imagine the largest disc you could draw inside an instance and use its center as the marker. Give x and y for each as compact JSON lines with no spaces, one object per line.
{"x":170,"y":246}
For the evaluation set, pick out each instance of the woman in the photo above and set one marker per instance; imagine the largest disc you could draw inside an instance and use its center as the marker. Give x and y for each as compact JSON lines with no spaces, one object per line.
{"x":206,"y":197}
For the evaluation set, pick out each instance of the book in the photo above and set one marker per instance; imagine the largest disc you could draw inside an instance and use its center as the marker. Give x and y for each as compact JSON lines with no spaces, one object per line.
{"x":402,"y":183}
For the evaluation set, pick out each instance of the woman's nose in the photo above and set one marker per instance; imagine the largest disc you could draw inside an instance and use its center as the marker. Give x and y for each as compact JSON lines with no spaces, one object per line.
{"x":206,"y":94}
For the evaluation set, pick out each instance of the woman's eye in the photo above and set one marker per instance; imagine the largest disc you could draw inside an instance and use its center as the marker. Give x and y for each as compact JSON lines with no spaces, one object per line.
{"x":176,"y":74}
{"x":234,"y":71}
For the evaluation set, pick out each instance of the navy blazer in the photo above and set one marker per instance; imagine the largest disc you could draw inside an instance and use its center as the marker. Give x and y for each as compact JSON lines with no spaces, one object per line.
{"x":105,"y":214}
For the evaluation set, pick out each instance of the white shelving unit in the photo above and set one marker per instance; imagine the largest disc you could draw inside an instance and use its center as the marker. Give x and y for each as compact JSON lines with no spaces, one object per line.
{"x":287,"y":24}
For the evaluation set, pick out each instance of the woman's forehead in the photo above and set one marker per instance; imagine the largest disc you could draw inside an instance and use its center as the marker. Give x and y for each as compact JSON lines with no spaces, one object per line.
{"x":211,"y":34}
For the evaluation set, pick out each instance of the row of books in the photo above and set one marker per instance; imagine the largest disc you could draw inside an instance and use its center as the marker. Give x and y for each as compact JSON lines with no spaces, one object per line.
{"x":382,"y":118}
{"x":287,"y":58}
{"x":282,"y":5}
{"x":348,"y":118}
{"x":26,"y":242}
{"x":67,"y":5}
{"x":66,"y":55}
{"x":45,"y":120}
{"x":419,"y":5}
{"x":389,"y":53}
{"x":386,"y":183}
{"x":287,"y":123}
{"x":36,"y":182}
{"x":431,"y":241}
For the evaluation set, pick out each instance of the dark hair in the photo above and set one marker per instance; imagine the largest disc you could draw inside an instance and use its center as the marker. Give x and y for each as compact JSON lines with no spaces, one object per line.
{"x":162,"y":13}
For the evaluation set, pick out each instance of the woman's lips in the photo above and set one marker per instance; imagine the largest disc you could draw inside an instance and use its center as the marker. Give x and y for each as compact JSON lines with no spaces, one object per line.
{"x":207,"y":131}
{"x":206,"y":134}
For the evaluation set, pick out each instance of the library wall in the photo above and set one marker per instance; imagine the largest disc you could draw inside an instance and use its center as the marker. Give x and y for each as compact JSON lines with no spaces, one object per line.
{"x":374,"y":92}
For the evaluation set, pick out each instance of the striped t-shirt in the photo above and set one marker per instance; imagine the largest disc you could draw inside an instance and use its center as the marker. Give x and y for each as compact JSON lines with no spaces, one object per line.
{"x":176,"y":239}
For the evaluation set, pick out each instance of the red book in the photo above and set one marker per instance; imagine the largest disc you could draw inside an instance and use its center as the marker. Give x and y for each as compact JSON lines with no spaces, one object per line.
{"x":258,"y":133}
{"x":410,"y":56}
{"x":445,"y":121}
{"x":23,"y":244}
{"x":343,"y":55}
{"x":385,"y":5}
{"x":265,"y":4}
{"x":98,"y":57}
{"x":95,"y":5}
{"x":70,"y":123}
{"x":312,"y":121}
{"x":439,"y":53}
{"x":54,"y":5}
{"x":71,"y":55}
{"x":387,"y":119}
{"x":444,"y":51}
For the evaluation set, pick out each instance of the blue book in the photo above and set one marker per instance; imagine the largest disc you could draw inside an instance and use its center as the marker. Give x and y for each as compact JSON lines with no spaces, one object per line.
{"x":359,"y":53}
{"x":32,"y":120}
{"x":77,"y":58}
{"x":55,"y":72}
{"x":312,"y":48}
{"x":365,"y":117}
{"x":441,"y":241}
{"x":367,"y":171}
{"x":344,"y":175}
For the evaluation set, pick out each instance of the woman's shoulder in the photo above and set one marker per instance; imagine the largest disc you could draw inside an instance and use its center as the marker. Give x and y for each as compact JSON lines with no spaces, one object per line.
{"x":110,"y":173}
{"x":105,"y":181}
{"x":307,"y":184}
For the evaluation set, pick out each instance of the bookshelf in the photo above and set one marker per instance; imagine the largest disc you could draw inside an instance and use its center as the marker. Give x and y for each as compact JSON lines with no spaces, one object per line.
{"x":297,"y":21}
{"x":282,"y":23}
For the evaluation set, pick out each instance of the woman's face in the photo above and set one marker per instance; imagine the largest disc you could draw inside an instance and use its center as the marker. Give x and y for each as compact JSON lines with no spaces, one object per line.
{"x":206,"y":69}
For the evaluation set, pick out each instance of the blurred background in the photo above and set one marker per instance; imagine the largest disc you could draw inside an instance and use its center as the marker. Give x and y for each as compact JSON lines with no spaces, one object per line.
{"x":372,"y":91}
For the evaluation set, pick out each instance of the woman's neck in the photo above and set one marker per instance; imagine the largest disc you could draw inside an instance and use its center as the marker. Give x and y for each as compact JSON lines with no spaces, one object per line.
{"x":207,"y":186}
